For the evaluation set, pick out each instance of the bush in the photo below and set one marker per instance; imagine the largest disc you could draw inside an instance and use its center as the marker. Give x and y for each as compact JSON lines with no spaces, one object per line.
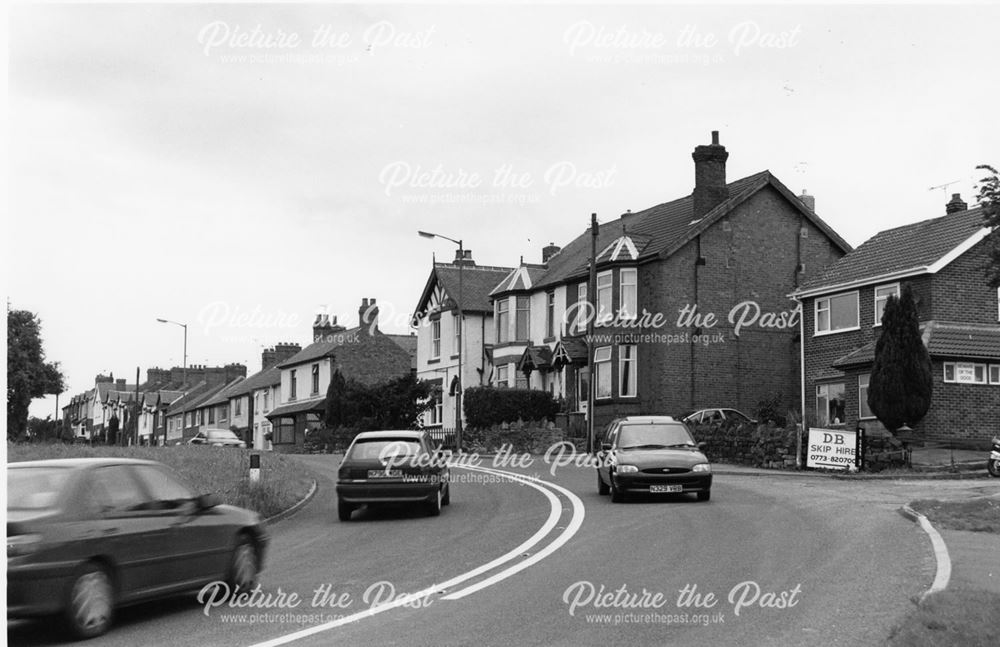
{"x":769,"y":409}
{"x":486,"y":406}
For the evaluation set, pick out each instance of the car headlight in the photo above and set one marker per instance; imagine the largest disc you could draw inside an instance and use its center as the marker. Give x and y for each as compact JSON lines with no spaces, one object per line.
{"x":627,"y":469}
{"x":702,"y":467}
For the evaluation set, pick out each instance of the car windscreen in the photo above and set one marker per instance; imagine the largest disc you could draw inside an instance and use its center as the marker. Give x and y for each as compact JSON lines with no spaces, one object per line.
{"x":654,"y":436}
{"x":35,"y":488}
{"x":222,"y":434}
{"x":380,"y":448}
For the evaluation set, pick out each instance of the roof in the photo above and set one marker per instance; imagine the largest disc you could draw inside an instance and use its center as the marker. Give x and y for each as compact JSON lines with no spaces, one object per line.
{"x":407,"y":343}
{"x":477,"y":283}
{"x":521,"y":279}
{"x":259,"y":380}
{"x":943,"y":339}
{"x":321,"y":349}
{"x":185,"y":402}
{"x":665,"y":228}
{"x":922,"y":247}
{"x":223,"y":395}
{"x":535,"y":357}
{"x":569,"y":350}
{"x":315,"y":404}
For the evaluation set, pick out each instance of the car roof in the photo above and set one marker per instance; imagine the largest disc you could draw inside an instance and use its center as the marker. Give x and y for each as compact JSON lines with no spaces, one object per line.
{"x":404,"y":433}
{"x":647,"y":419}
{"x":81,"y":462}
{"x":226,"y":431}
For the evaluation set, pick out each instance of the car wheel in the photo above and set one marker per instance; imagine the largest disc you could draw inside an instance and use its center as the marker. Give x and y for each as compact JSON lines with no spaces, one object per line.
{"x":243,"y":566}
{"x":434,"y":507}
{"x":447,"y":494}
{"x":705,"y":496}
{"x":344,"y":510}
{"x":617,"y":496}
{"x":993,"y":467}
{"x":602,"y":487}
{"x":91,"y":602}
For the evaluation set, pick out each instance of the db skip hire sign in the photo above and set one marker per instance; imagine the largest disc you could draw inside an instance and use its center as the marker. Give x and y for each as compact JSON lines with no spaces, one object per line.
{"x":832,"y":448}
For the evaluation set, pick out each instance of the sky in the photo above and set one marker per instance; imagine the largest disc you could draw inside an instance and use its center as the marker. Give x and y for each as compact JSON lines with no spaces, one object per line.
{"x":239,"y":168}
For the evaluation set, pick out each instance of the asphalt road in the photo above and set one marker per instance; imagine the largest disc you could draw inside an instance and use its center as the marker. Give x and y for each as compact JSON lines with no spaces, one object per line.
{"x":805,"y":561}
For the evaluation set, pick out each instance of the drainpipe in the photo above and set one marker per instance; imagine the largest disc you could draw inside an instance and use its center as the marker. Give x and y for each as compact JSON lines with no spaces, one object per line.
{"x":802,"y":381}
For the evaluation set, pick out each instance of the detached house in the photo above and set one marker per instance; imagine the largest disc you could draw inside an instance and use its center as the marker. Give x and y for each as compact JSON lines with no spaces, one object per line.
{"x":942,"y":261}
{"x":692,"y":306}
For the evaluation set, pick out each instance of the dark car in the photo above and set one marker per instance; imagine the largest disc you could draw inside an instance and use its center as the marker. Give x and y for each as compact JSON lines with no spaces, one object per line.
{"x":716,"y":416}
{"x":217,"y":438}
{"x":392,"y":467}
{"x":87,"y":535}
{"x":652,"y":455}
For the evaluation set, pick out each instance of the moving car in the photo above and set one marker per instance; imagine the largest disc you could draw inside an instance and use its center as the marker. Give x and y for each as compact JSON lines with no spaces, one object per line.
{"x":652,"y":455}
{"x":716,"y":416}
{"x":87,"y":535}
{"x":217,"y":438}
{"x":392,"y":467}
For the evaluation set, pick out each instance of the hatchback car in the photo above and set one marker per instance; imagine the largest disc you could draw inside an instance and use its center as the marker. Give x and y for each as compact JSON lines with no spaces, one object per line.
{"x":87,"y":535}
{"x":217,"y":438}
{"x":392,"y":467}
{"x":652,"y":455}
{"x":716,"y":416}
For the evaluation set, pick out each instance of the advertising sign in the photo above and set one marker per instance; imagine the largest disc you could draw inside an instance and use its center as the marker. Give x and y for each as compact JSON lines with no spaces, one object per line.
{"x":832,"y":448}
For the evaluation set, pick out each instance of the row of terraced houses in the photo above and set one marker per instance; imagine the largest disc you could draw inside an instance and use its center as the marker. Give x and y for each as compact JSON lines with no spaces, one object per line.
{"x":733,"y":294}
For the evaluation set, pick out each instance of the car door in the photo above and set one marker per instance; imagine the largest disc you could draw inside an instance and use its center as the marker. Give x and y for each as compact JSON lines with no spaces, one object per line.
{"x":604,"y":456}
{"x":135,"y":537}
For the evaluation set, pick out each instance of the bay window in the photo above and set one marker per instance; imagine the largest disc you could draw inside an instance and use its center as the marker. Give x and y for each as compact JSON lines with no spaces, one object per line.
{"x":602,"y":371}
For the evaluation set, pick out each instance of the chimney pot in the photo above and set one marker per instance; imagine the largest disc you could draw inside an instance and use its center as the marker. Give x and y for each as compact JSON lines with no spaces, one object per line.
{"x":956,"y":204}
{"x":710,"y":188}
{"x":715,"y":138}
{"x":808,"y":200}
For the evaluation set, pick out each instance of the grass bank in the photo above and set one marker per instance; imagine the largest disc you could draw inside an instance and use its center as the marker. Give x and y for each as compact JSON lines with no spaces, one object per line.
{"x":977,"y":515}
{"x":951,"y":618}
{"x":220,"y":470}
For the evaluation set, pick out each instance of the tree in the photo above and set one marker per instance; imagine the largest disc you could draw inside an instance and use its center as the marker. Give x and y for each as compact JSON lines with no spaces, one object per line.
{"x":395,"y":404}
{"x":44,"y":430}
{"x":901,"y":384}
{"x":989,"y":200}
{"x":29,"y":376}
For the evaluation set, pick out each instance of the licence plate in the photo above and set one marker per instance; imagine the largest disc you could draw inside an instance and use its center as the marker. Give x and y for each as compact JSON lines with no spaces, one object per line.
{"x":385,"y":474}
{"x":666,"y":488}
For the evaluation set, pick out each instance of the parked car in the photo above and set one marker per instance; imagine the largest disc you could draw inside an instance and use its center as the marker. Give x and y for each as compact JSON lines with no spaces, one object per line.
{"x":88,"y":535}
{"x":217,"y":438}
{"x":652,"y":455}
{"x":716,"y":416}
{"x":392,"y":467}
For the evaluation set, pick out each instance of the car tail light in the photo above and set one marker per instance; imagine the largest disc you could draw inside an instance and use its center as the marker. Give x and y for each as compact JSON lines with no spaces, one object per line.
{"x":22,"y":545}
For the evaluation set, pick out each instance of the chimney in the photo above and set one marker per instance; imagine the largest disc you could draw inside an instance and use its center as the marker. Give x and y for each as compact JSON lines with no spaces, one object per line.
{"x":549,"y":251}
{"x":101,"y":379}
{"x":283,"y":352}
{"x":709,"y":177}
{"x":956,"y":204}
{"x":463,"y":257}
{"x":120,"y":384}
{"x":268,"y":358}
{"x":808,"y":200}
{"x":368,"y":314}
{"x":324,"y":327}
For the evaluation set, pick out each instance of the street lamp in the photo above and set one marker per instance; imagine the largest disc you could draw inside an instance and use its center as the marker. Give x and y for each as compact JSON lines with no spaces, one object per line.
{"x":461,"y":336}
{"x":183,"y":379}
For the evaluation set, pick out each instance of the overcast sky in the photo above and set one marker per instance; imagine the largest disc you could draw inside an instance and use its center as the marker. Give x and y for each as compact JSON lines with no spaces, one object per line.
{"x":239,"y":167}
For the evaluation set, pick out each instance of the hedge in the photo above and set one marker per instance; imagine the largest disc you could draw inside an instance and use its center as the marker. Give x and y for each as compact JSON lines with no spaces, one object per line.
{"x":486,"y":406}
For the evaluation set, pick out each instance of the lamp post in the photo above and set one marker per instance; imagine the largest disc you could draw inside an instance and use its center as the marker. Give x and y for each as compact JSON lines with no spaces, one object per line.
{"x":461,"y":336}
{"x":183,"y":378}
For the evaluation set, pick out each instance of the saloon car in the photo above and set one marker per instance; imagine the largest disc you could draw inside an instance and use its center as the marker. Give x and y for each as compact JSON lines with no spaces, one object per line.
{"x":217,"y":438}
{"x":87,"y":535}
{"x":383,"y":467}
{"x":716,"y":416}
{"x":651,"y":455}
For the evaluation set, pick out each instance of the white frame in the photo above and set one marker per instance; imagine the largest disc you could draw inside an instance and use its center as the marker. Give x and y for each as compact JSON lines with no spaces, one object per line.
{"x":598,"y":363}
{"x":610,"y":287}
{"x":827,"y":385}
{"x":857,"y":312}
{"x":503,"y":332}
{"x":878,"y":318}
{"x":989,"y":374}
{"x":527,"y":316}
{"x":632,"y":312}
{"x":505,"y":369}
{"x":975,"y":365}
{"x":862,"y":403}
{"x":580,"y":325}
{"x":633,"y":365}
{"x":435,"y":338}
{"x":456,"y":340}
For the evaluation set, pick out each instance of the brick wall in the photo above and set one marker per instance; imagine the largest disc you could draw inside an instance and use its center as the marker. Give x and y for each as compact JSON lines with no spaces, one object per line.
{"x":960,"y":292}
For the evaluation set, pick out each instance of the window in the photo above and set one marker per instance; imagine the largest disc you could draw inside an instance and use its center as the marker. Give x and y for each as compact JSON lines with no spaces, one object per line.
{"x":966,"y":373}
{"x":113,"y":490}
{"x":163,"y":488}
{"x":830,"y":404}
{"x":293,"y":385}
{"x":201,"y":416}
{"x":627,"y":371}
{"x":627,"y":293}
{"x":284,"y":431}
{"x":456,"y":324}
{"x":503,"y":375}
{"x":436,"y":339}
{"x":522,"y":319}
{"x":238,"y":407}
{"x":267,"y":406}
{"x":520,"y":379}
{"x":994,"y":373}
{"x":837,"y":313}
{"x":550,"y":314}
{"x":583,"y":388}
{"x":581,"y":311}
{"x":882,"y":294}
{"x":211,"y":415}
{"x":863,"y":410}
{"x":602,"y":371}
{"x":604,"y":280}
{"x":437,"y":408}
{"x":224,"y":413}
{"x":315,"y":379}
{"x":503,"y":321}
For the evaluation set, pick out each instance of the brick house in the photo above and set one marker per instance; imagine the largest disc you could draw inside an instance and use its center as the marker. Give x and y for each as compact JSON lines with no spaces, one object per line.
{"x":438,"y":332}
{"x":363,"y":353}
{"x":253,"y":398}
{"x":942,"y":261}
{"x":749,"y":242}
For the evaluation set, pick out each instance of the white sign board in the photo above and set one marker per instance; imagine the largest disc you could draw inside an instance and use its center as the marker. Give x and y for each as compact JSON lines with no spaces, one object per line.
{"x":832,"y":448}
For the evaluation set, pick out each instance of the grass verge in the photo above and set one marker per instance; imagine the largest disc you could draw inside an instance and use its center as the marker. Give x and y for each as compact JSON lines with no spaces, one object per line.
{"x":977,"y":515}
{"x":950,"y":618}
{"x":220,"y":470}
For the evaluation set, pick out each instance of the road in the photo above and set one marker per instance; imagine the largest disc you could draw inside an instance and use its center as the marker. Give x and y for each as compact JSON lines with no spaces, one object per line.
{"x":805,"y":561}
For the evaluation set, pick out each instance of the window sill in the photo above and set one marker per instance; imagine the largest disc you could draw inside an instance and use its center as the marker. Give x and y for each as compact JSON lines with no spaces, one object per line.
{"x":835,"y":332}
{"x":434,"y":360}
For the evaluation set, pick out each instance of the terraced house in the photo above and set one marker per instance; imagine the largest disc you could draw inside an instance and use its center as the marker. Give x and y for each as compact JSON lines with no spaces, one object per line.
{"x":942,"y":260}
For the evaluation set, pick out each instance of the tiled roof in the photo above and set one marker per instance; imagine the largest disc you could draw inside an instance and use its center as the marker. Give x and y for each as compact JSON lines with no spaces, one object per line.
{"x":194,"y":394}
{"x":522,"y":278}
{"x":667,"y":227}
{"x":477,"y":283}
{"x":409,"y":344}
{"x":907,"y":248}
{"x":223,"y":395}
{"x":316,"y":405}
{"x":535,"y":357}
{"x":571,"y":350}
{"x":267,"y":377}
{"x":943,"y":339}
{"x":321,"y":349}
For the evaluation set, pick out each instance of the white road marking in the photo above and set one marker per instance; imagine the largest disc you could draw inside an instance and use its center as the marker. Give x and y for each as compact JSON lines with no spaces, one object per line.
{"x":554,"y":513}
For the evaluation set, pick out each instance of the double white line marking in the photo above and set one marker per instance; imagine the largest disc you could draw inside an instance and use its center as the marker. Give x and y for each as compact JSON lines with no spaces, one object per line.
{"x":546,"y":488}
